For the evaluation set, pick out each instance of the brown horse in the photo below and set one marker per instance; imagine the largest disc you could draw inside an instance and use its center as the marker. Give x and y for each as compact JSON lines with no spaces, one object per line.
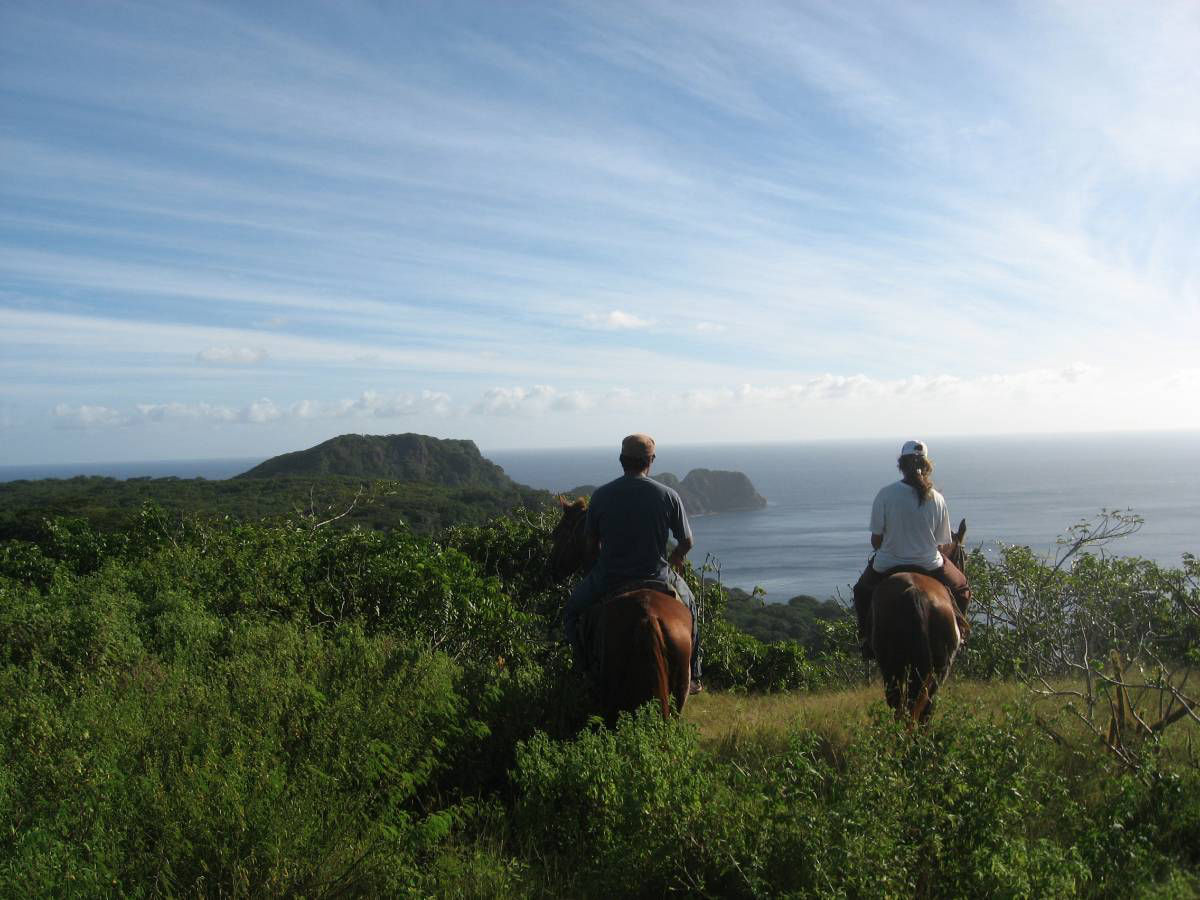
{"x":638,"y":641}
{"x":915,"y":634}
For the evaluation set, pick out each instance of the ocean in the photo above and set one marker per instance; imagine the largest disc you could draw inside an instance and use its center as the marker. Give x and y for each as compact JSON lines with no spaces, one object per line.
{"x":812,"y":538}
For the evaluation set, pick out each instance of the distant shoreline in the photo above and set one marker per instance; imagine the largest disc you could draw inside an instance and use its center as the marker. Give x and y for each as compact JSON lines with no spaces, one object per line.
{"x":209,"y":469}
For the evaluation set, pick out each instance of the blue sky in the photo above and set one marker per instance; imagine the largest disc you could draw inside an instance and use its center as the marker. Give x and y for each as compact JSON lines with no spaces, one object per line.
{"x":239,"y":229}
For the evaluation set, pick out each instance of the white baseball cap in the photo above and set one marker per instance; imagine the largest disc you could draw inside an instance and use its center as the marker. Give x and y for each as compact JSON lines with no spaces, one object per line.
{"x":914,"y":448}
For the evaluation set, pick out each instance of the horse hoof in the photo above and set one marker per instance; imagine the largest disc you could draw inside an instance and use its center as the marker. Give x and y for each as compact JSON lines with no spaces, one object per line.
{"x":695,"y":687}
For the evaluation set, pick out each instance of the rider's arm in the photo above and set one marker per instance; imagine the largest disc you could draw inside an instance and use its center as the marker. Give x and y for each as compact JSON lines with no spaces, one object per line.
{"x":591,"y":551}
{"x":878,"y":520}
{"x":681,"y":550}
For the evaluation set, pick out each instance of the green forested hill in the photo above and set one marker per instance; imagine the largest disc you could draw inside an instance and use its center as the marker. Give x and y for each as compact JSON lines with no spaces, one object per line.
{"x":377,"y":481}
{"x":401,"y":457}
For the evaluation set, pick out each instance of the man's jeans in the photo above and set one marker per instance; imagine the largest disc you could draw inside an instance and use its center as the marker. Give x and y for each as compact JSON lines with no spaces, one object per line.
{"x":593,"y":586}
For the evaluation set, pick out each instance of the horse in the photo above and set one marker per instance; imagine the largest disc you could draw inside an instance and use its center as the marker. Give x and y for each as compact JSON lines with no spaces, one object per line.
{"x":916,"y":633}
{"x":638,"y":641}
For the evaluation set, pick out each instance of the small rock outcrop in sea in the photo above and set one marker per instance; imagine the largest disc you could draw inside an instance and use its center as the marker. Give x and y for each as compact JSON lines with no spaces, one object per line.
{"x":704,"y":491}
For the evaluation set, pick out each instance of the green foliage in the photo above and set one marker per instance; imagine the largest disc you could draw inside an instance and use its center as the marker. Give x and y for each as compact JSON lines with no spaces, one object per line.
{"x":968,"y":807}
{"x":1124,"y":630}
{"x":110,"y":505}
{"x":737,"y":661}
{"x":221,"y":707}
{"x":800,"y":619}
{"x":186,"y":713}
{"x":625,"y":805}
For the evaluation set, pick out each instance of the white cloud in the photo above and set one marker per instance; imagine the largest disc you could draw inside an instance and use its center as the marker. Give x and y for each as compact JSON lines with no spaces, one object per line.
{"x":512,"y":401}
{"x":1187,"y":380}
{"x":88,"y":416}
{"x":532,"y":401}
{"x":260,"y":412}
{"x":618,"y":320}
{"x":572,"y":401}
{"x":1035,"y":379}
{"x":709,"y":327}
{"x":385,"y":406}
{"x":232,"y":355}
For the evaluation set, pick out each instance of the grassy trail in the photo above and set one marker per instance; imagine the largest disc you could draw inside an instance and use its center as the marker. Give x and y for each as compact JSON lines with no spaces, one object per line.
{"x":724,"y":718}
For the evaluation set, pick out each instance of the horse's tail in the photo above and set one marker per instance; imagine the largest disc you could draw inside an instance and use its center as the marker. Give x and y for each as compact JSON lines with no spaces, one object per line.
{"x":921,"y":673}
{"x":653,"y":654}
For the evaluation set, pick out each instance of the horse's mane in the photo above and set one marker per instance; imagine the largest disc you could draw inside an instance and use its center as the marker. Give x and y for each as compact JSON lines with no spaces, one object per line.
{"x":579,"y":503}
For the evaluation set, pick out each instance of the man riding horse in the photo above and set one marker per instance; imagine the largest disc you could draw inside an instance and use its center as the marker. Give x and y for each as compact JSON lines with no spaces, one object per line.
{"x":909,"y":521}
{"x":628,"y":523}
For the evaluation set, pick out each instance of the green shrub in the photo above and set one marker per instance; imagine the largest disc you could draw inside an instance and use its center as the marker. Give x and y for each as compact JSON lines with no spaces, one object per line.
{"x":628,"y":811}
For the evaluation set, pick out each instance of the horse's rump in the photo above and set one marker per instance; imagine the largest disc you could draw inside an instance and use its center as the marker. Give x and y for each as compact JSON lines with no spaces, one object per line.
{"x":915,"y":635}
{"x":641,"y":643}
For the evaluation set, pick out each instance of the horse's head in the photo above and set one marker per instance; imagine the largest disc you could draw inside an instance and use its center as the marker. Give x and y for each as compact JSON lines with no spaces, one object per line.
{"x":569,"y":538}
{"x":956,"y":553}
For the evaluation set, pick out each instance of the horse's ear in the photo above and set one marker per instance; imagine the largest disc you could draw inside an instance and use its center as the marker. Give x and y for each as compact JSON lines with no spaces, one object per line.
{"x":562,"y":501}
{"x":961,"y":533}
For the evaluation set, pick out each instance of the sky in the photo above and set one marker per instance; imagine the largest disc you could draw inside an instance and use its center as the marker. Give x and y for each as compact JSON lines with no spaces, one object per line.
{"x":238,"y":229}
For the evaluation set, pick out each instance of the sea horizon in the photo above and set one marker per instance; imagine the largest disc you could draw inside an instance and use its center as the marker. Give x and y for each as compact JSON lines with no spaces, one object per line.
{"x":182,"y":467}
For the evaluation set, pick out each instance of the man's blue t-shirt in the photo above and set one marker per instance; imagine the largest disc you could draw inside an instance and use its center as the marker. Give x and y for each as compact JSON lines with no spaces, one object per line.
{"x":632,"y":516}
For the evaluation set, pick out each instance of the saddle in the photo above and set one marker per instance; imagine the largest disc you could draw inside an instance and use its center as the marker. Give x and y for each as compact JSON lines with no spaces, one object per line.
{"x":644,"y":584}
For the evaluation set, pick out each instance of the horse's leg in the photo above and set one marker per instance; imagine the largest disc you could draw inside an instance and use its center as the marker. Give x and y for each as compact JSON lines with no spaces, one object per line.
{"x":944,"y":641}
{"x":893,"y":690}
{"x":924,"y":689}
{"x":656,"y":659}
{"x":679,"y":661}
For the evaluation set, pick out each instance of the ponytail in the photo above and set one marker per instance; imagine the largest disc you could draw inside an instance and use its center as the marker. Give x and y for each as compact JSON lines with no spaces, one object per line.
{"x":917,"y":471}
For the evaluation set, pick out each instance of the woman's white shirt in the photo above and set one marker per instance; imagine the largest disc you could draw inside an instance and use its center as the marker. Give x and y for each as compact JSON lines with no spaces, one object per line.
{"x":911,"y":530}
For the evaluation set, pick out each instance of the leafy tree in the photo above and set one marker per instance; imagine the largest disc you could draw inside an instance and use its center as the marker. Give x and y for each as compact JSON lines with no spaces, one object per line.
{"x":1113,"y":640}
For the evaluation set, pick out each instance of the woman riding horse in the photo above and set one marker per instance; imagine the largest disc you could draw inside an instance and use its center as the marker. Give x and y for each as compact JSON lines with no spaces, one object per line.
{"x":912,"y":599}
{"x":909,"y":524}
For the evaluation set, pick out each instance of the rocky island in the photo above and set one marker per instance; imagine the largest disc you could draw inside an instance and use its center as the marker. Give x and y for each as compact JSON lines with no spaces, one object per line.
{"x":705,"y":491}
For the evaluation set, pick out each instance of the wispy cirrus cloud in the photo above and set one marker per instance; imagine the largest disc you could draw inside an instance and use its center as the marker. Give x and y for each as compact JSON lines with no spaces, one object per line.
{"x":232,"y":355}
{"x":618,"y":320}
{"x":264,"y":411}
{"x":769,"y":196}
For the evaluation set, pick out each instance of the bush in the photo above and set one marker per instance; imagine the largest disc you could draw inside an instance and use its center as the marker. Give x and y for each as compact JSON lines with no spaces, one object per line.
{"x":635,"y":811}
